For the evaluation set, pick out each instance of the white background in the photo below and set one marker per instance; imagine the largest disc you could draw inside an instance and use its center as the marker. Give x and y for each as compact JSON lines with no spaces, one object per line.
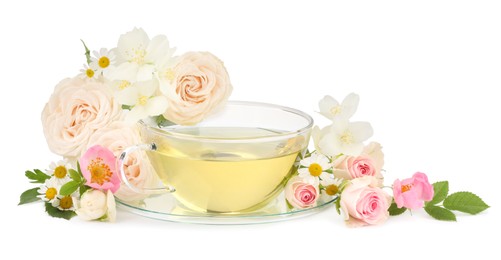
{"x":428,"y":73}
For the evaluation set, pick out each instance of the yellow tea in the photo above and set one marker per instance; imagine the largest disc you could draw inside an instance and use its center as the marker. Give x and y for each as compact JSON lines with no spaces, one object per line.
{"x":225,"y":177}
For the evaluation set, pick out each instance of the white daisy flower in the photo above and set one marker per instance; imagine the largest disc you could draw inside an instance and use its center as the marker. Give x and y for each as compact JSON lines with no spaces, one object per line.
{"x":66,"y":202}
{"x":315,"y":165}
{"x":88,"y":72}
{"x":59,"y":172}
{"x":102,"y":60}
{"x":331,"y":187}
{"x":49,"y":190}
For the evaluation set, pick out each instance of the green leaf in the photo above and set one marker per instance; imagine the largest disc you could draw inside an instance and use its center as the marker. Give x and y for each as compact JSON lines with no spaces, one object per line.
{"x":338,"y":205}
{"x":75,"y":176}
{"x":395,"y":211}
{"x":29,"y":196}
{"x":126,"y":107}
{"x":37,"y":176}
{"x":440,"y":213}
{"x":87,"y":52}
{"x":83,"y":189}
{"x":162,"y":121}
{"x":441,"y":190}
{"x":69,"y":188}
{"x":56,"y":213}
{"x":465,"y":201}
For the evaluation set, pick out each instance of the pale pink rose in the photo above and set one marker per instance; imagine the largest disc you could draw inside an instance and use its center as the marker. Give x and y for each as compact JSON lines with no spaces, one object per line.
{"x":76,"y":109}
{"x":364,"y":203}
{"x":116,"y":137}
{"x":302,"y":193}
{"x":369,"y":163}
{"x":199,"y":86}
{"x":98,"y":167}
{"x":413,"y":192}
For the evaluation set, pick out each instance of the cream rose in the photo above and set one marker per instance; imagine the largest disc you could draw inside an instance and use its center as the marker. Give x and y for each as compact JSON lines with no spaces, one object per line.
{"x":95,"y":204}
{"x":76,"y":109}
{"x":199,"y":85}
{"x":117,"y":136}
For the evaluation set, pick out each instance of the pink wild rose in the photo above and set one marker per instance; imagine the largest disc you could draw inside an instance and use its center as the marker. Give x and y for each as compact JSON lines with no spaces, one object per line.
{"x":98,"y":167}
{"x":413,"y":192}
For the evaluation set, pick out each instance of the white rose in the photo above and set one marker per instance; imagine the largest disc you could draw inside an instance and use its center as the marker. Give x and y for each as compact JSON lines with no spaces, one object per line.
{"x":199,"y":85}
{"x":116,"y":137}
{"x":76,"y":109}
{"x":92,"y":205}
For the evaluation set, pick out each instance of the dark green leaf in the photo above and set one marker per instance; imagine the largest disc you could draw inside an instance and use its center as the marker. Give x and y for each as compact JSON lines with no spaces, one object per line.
{"x":125,"y":107}
{"x":440,"y":213}
{"x":87,"y":52}
{"x":37,"y":176}
{"x":83,"y":189}
{"x":395,"y":211}
{"x":75,"y":176}
{"x":29,"y":196}
{"x":465,"y":201}
{"x":441,"y":189}
{"x":56,"y":213}
{"x":69,"y":188}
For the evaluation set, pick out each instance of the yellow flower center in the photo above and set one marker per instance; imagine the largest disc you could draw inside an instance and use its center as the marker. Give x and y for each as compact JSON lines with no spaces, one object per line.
{"x":89,"y":73}
{"x":60,"y":172}
{"x":123,"y":85}
{"x":169,"y":74}
{"x":336,"y":110}
{"x":315,"y":169}
{"x":51,"y":193}
{"x":142,"y":100}
{"x":99,"y":171}
{"x":103,"y":62}
{"x":66,"y":202}
{"x":346,"y":137}
{"x":406,"y":188}
{"x":331,"y":190}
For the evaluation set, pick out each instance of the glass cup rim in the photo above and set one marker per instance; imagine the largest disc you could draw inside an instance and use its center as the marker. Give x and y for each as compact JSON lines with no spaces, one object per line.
{"x":287,"y":134}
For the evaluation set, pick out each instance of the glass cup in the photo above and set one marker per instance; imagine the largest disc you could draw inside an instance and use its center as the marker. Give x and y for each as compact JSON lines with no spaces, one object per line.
{"x":232,"y":162}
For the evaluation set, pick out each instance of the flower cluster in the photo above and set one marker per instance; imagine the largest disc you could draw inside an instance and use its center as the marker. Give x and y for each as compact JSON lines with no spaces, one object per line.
{"x":90,"y":118}
{"x":345,"y":169}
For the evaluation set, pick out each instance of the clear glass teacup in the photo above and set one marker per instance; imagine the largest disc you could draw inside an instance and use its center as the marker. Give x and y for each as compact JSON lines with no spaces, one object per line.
{"x":234,"y":161}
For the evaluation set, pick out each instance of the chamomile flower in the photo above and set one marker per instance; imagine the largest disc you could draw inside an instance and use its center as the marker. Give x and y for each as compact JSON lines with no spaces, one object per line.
{"x":315,"y":165}
{"x":66,"y":202}
{"x":49,"y":190}
{"x":88,"y":72}
{"x":102,"y":60}
{"x":331,"y":187}
{"x":59,"y":172}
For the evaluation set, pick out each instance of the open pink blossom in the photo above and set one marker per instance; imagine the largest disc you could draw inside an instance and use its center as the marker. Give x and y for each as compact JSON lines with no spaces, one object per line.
{"x":413,"y":192}
{"x":301,"y":192}
{"x":364,"y":203}
{"x":98,"y":167}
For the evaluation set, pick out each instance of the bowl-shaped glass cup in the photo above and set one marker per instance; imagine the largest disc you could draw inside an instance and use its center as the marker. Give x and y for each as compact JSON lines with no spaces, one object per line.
{"x":234,"y":161}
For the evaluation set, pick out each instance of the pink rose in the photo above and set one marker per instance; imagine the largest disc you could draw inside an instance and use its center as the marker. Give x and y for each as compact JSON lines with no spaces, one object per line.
{"x":369,"y":163}
{"x":76,"y":109}
{"x":98,"y":167}
{"x":364,"y":203}
{"x":413,"y":192}
{"x":302,"y":193}
{"x":199,"y":85}
{"x":116,"y":137}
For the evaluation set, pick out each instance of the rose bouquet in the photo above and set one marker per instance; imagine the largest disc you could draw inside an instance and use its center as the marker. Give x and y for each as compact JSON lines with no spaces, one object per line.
{"x":91,"y":118}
